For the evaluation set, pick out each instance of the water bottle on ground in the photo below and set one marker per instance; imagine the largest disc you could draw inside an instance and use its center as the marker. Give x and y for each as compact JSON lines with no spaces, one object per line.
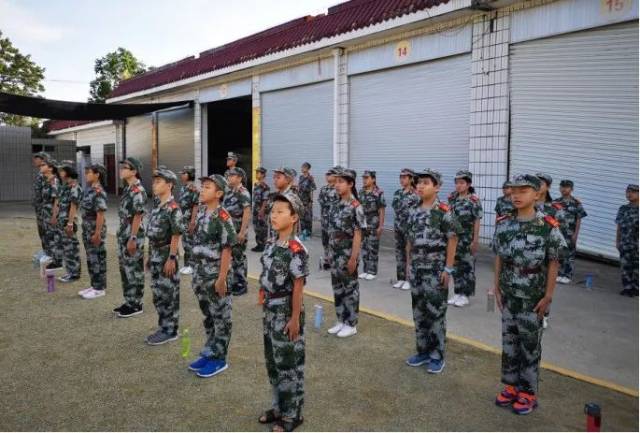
{"x":491,"y":301}
{"x":318,"y":316}
{"x":51,"y":281}
{"x":185,"y":350}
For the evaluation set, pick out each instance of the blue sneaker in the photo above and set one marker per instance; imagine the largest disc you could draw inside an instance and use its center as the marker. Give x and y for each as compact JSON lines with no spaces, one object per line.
{"x":198,"y":363}
{"x":213,"y":367}
{"x":435,"y":366}
{"x":418,"y":359}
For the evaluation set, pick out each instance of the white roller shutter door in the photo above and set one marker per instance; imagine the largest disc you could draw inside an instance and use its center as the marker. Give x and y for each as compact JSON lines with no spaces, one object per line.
{"x":138,"y":144}
{"x":175,"y":138}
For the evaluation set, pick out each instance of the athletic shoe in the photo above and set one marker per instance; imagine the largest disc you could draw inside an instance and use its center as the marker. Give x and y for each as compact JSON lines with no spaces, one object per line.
{"x":160,"y":337}
{"x":129,"y":311}
{"x":435,"y":366}
{"x":66,"y":278}
{"x":93,"y":294}
{"x":398,"y":284}
{"x":462,"y":301}
{"x":198,"y":363}
{"x":370,"y":277}
{"x":347,"y":331}
{"x":406,"y":286}
{"x":525,"y":404}
{"x":83,"y":291}
{"x":418,"y":359}
{"x":336,"y":328}
{"x":453,"y":300}
{"x":212,"y":367}
{"x":507,"y":396}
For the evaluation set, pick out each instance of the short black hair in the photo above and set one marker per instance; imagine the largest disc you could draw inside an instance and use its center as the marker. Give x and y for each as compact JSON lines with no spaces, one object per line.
{"x":71,"y":172}
{"x":282,"y":199}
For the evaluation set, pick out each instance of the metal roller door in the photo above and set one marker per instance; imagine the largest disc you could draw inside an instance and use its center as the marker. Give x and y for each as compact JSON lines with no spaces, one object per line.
{"x":175,"y":138}
{"x":297,"y":126}
{"x":138,"y":144}
{"x":415,"y":116}
{"x":574,"y":115}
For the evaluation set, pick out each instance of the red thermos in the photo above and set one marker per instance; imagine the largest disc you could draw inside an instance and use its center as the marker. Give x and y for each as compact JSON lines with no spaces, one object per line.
{"x":592,"y":411}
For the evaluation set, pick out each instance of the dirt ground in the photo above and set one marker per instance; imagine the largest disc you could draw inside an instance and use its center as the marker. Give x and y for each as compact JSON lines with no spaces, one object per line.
{"x":69,"y":364}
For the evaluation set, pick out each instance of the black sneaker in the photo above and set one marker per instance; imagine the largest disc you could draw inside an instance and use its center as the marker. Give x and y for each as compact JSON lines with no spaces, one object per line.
{"x":117,"y":309}
{"x":54,"y":266}
{"x":627,"y":292}
{"x":258,"y":249}
{"x":127,"y":311}
{"x":239,"y":292}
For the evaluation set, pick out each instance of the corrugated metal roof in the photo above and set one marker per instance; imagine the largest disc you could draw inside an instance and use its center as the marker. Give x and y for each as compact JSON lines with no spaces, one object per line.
{"x":342,"y":18}
{"x":56,"y":125}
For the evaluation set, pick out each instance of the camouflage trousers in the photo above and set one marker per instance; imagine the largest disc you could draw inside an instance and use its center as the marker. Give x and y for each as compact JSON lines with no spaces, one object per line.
{"x":306,"y":222}
{"x":40,"y":225}
{"x":326,"y":256}
{"x":567,"y":260}
{"x":70,"y":251}
{"x":629,"y":268}
{"x":187,"y":240}
{"x":521,"y":344}
{"x":401,"y":253}
{"x":166,"y":291}
{"x":131,"y":271}
{"x":346,"y":289}
{"x":464,"y":271}
{"x":239,"y":268}
{"x":370,"y":250}
{"x":429,"y":305}
{"x":96,"y":255}
{"x":261,"y":229}
{"x":284,"y":358}
{"x":52,"y":239}
{"x":217,"y":315}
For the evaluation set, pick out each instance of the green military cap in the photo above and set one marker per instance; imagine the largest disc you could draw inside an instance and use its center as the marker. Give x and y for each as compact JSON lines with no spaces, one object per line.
{"x":261,"y":170}
{"x":294,"y":200}
{"x":97,"y":168}
{"x":236,"y":171}
{"x":134,"y":163}
{"x":289,"y":172}
{"x":66,"y":163}
{"x":187,"y":169}
{"x":42,"y":155}
{"x":526,"y":180}
{"x":433,"y":174}
{"x":464,"y":174}
{"x":632,"y":187}
{"x":506,"y":184}
{"x":545,"y":177}
{"x":331,"y":172}
{"x":566,"y":182}
{"x":166,"y":174}
{"x":407,"y":172}
{"x":51,"y":162}
{"x":306,"y":164}
{"x":347,"y":173}
{"x":369,"y":173}
{"x":232,"y":155}
{"x":218,"y":179}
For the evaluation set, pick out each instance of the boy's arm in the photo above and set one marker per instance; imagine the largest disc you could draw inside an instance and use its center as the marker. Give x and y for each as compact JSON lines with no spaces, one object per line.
{"x":225,"y":263}
{"x":552,"y":274}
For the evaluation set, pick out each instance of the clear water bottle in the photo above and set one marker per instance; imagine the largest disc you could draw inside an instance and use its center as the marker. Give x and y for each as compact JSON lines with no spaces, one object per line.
{"x":588,"y":281}
{"x":491,"y":301}
{"x":318,"y":316}
{"x":185,"y":350}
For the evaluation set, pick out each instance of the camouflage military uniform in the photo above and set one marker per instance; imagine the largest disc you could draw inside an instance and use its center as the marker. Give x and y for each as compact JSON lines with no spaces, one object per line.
{"x":572,"y":211}
{"x":526,"y":247}
{"x":627,"y":220}
{"x":94,"y":200}
{"x":235,"y":201}
{"x":214,"y":232}
{"x":428,"y":231}
{"x":165,"y":221}
{"x":306,"y":186}
{"x":38,"y":184}
{"x":71,"y":193}
{"x":132,"y":202}
{"x":403,"y":202}
{"x":52,"y":234}
{"x":503,"y":206}
{"x":345,"y":217}
{"x":189,"y":197}
{"x":269,"y":206}
{"x":372,"y":201}
{"x":466,"y":210}
{"x":260,"y":225}
{"x":281,"y":266}
{"x":326,"y":198}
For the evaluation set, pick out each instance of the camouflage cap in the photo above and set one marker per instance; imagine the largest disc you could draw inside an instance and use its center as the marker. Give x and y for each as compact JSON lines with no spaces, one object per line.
{"x":526,"y":180}
{"x":632,"y":187}
{"x":134,"y":163}
{"x":219,"y":180}
{"x":289,"y":172}
{"x":188,"y":169}
{"x":66,"y":163}
{"x":42,"y":155}
{"x":566,"y":182}
{"x":306,"y":164}
{"x":261,"y":170}
{"x":347,"y":173}
{"x":369,"y":173}
{"x":97,"y":168}
{"x":506,"y":184}
{"x":232,"y":155}
{"x":433,"y":174}
{"x":51,"y":162}
{"x":166,"y":174}
{"x":236,"y":171}
{"x":543,"y":176}
{"x":294,"y":200}
{"x":407,"y":172}
{"x":464,"y":174}
{"x":331,"y":172}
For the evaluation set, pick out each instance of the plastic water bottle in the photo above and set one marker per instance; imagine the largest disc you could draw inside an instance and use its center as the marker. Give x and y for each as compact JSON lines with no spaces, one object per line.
{"x":318,"y":316}
{"x":51,"y":281}
{"x":491,"y":301}
{"x":588,"y":281}
{"x":594,"y":417}
{"x":185,"y":350}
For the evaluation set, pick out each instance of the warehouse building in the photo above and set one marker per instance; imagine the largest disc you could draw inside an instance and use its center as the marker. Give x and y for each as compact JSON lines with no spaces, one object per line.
{"x":498,"y":87}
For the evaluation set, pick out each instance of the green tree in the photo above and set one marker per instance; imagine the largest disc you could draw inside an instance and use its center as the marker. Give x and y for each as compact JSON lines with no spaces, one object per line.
{"x":110,"y":70}
{"x":19,"y":75}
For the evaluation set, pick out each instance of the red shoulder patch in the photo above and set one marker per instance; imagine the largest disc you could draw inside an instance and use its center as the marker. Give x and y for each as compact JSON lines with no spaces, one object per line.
{"x":224,"y":215}
{"x":355,"y":203}
{"x":135,"y":188}
{"x":295,"y":246}
{"x":502,"y":218}
{"x":443,"y":206}
{"x":97,"y":189}
{"x":173,"y":204}
{"x":474,"y":198}
{"x":557,"y":205}
{"x":551,"y":221}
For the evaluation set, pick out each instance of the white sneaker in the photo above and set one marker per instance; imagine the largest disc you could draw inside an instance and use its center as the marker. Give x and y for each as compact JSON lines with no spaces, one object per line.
{"x":337,"y":328}
{"x":545,"y":322}
{"x":558,"y":279}
{"x":347,"y":331}
{"x":406,"y":286}
{"x":462,"y":301}
{"x":187,"y":270}
{"x":363,"y":275}
{"x":453,"y":300}
{"x":93,"y":294}
{"x":370,"y":277}
{"x":563,"y":280}
{"x":83,"y":291}
{"x":398,"y":284}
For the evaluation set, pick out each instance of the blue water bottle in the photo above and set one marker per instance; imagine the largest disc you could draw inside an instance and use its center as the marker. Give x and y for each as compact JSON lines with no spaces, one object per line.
{"x":318,"y":317}
{"x":588,"y":281}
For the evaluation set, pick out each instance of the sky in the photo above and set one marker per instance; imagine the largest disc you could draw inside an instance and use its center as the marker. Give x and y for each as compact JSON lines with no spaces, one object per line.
{"x":66,"y":36}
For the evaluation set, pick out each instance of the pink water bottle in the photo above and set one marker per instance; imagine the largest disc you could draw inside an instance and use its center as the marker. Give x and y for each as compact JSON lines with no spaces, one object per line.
{"x":51,"y":281}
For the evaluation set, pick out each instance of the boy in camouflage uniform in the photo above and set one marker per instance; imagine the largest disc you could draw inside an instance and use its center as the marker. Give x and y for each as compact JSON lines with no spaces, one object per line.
{"x":214,"y":238}
{"x":70,"y":198}
{"x":306,"y":186}
{"x":503,"y":203}
{"x":404,"y":200}
{"x":466,"y":208}
{"x":50,"y":196}
{"x":573,"y":212}
{"x":282,"y":179}
{"x":627,"y":242}
{"x":432,"y":235}
{"x":188,"y":201}
{"x":237,"y":201}
{"x":326,"y":197}
{"x":259,"y":205}
{"x":285,"y":266}
{"x":130,"y":237}
{"x":346,"y":224}
{"x":373,"y":204}
{"x":94,"y":230}
{"x":166,"y":225}
{"x":528,"y":246}
{"x":38,"y":184}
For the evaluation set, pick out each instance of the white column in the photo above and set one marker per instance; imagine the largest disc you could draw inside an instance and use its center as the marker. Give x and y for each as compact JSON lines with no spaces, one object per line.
{"x":197,"y":137}
{"x":340,"y":109}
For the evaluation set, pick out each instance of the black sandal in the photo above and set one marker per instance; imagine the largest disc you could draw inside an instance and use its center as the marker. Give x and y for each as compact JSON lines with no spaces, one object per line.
{"x":288,"y":425}
{"x":269,"y":417}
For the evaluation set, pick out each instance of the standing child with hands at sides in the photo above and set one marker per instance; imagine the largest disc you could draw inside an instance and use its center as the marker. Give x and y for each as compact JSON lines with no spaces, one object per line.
{"x":213,"y":239}
{"x":432,"y":238}
{"x":285,"y":265}
{"x":70,"y":197}
{"x":528,"y":246}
